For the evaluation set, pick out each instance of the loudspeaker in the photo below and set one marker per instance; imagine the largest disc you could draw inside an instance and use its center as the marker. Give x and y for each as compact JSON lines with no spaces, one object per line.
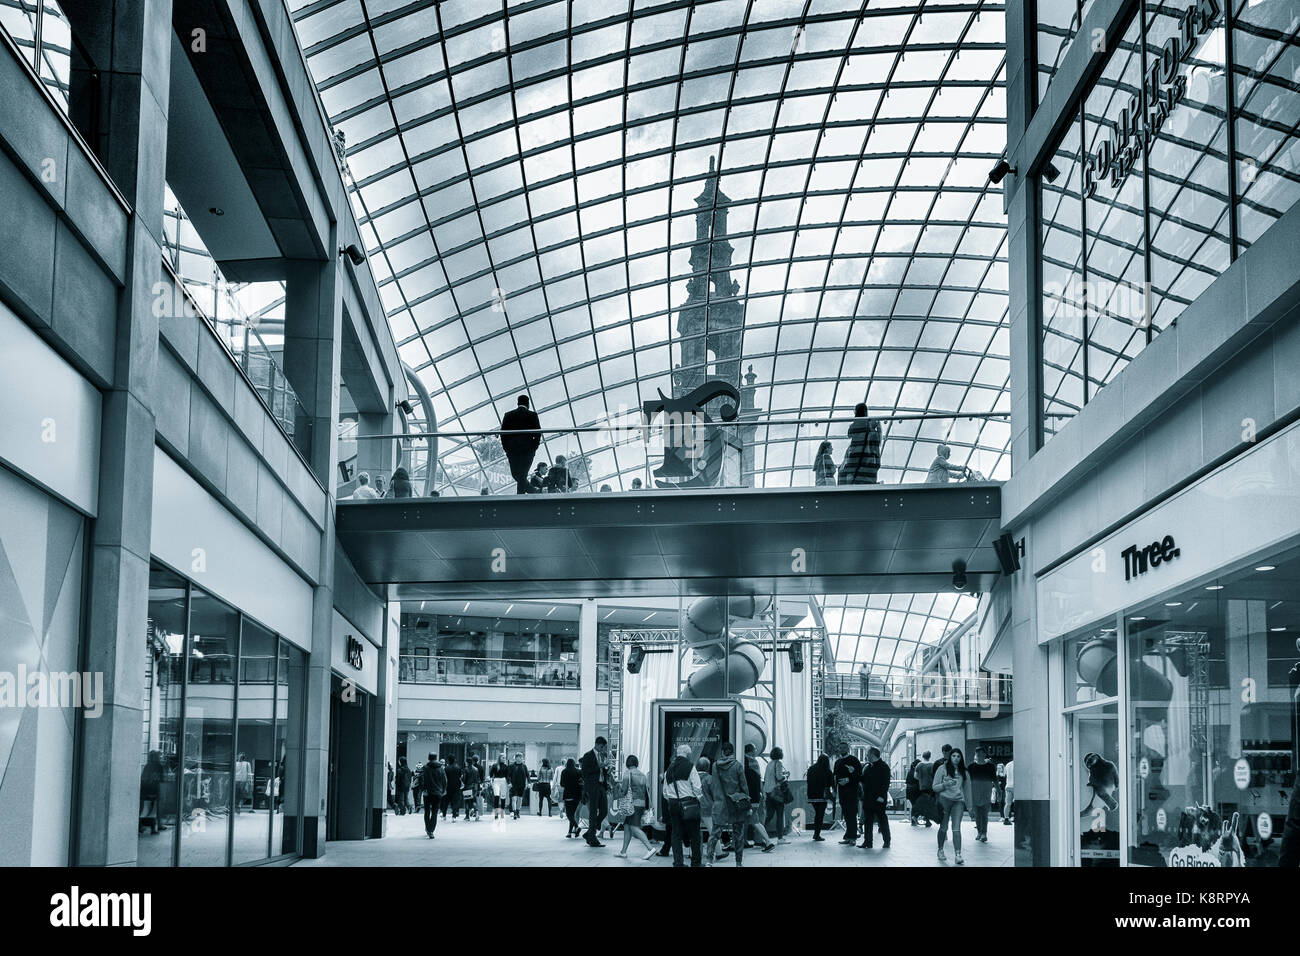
{"x":796,"y":657}
{"x":1008,"y":554}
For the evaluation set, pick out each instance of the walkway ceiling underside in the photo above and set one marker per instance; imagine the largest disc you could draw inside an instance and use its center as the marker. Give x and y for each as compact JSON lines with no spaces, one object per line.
{"x":542,"y":186}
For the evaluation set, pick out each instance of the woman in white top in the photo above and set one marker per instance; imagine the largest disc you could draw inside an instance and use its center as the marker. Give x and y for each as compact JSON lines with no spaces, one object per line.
{"x":681,"y":785}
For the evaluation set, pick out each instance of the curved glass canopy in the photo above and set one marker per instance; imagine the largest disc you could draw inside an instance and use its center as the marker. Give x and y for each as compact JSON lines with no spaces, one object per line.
{"x":542,"y":186}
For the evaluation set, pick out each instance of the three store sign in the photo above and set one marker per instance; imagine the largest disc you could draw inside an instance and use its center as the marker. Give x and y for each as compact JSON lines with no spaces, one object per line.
{"x":355,"y":653}
{"x":1164,"y":87}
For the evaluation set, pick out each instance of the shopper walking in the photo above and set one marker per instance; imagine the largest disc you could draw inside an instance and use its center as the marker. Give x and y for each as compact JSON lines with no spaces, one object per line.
{"x":754,"y":779}
{"x":866,"y":442}
{"x":820,"y":781}
{"x":702,"y":768}
{"x":519,"y":440}
{"x":401,"y":486}
{"x":518,"y":784}
{"x":848,"y":777}
{"x":912,"y":788}
{"x":824,"y":465}
{"x":952,"y":787}
{"x":682,"y":791}
{"x":499,"y":774}
{"x":403,"y":784}
{"x":455,"y":784}
{"x":434,"y":784}
{"x":469,"y":788}
{"x":1009,"y":794}
{"x":925,"y":802}
{"x":875,"y":799}
{"x":545,"y":775}
{"x":633,"y":801}
{"x":776,"y":791}
{"x":982,"y":773}
{"x":571,"y":793}
{"x":595,"y":774}
{"x":731,"y":803}
{"x":417,"y":786}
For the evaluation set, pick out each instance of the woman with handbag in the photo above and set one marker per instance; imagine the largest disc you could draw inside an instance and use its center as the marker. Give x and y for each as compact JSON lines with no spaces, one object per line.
{"x":776,"y":792}
{"x":633,"y":801}
{"x":682,"y":790}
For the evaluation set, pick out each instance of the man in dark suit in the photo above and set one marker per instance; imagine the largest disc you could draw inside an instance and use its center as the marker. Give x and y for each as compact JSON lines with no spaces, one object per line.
{"x":520,"y":448}
{"x":594,"y":771}
{"x":875,"y":798}
{"x":848,"y":775}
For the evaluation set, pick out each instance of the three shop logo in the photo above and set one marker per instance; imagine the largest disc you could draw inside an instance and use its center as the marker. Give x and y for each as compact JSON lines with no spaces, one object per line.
{"x":75,"y":909}
{"x":1140,"y":560}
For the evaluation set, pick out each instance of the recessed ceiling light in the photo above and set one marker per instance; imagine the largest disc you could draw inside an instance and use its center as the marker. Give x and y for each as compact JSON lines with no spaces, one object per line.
{"x":1266,"y":567}
{"x":1137,"y":619}
{"x":1282,"y":628}
{"x":1173,"y":604}
{"x":1214,"y":587}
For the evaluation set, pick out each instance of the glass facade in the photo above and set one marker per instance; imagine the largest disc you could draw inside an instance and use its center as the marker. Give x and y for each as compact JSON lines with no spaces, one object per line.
{"x":1058,"y":22}
{"x":222,"y":733}
{"x":1154,"y":198}
{"x":467,"y":649}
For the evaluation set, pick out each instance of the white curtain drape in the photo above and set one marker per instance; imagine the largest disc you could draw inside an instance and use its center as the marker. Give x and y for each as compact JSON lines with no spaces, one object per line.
{"x":657,"y":679}
{"x":792,"y":727}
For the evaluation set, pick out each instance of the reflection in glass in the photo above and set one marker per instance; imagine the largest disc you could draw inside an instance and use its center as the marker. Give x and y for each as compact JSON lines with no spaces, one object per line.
{"x":207,"y":775}
{"x":1113,"y":215}
{"x":254,"y":743}
{"x":163,"y":676}
{"x":284,"y":788}
{"x":1058,"y":22}
{"x":1266,"y":63}
{"x":1187,"y":165}
{"x":1063,"y":300}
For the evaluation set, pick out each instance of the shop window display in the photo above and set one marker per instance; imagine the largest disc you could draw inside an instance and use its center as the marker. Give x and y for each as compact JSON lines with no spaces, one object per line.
{"x":1214,"y":738}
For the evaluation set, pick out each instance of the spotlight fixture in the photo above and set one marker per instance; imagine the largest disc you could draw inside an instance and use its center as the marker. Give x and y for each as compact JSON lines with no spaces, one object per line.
{"x":1050,"y":172}
{"x":959,"y":575}
{"x":998,"y":172}
{"x":1266,"y":567}
{"x":352,"y":252}
{"x":216,"y":210}
{"x":796,"y":658}
{"x":406,"y":407}
{"x":634,"y":659}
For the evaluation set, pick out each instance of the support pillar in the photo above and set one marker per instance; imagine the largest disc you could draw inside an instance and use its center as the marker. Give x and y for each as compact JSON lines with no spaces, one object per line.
{"x":587,"y":617}
{"x":133,"y":43}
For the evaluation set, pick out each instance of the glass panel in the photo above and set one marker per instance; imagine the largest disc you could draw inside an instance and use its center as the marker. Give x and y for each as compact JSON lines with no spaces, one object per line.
{"x":1113,"y":214}
{"x":1266,"y":62}
{"x":284,"y":789}
{"x":1213,"y":680}
{"x":1095,"y":760}
{"x":18,"y":18}
{"x":1187,"y":156}
{"x":207,"y":778}
{"x":56,"y":53}
{"x":163,"y":676}
{"x":1061,"y":273}
{"x":1058,"y":22}
{"x":1091,"y":671}
{"x":254,"y":743}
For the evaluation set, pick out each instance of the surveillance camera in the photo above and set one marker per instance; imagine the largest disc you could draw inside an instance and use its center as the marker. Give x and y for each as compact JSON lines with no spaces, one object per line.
{"x":1050,"y":172}
{"x":999,"y":171}
{"x":406,"y":407}
{"x":959,"y":575}
{"x":353,"y":253}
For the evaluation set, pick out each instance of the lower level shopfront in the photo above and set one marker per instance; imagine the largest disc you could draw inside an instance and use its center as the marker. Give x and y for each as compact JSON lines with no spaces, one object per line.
{"x":1173,"y":657}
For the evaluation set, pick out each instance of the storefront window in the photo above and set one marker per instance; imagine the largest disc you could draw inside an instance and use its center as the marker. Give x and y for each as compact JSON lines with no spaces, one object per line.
{"x":1265,"y":65}
{"x":1091,"y":667}
{"x":160,"y":751}
{"x":255,"y":743}
{"x":1187,"y":157}
{"x":208,"y":755}
{"x":283,"y":791}
{"x":460,"y":648}
{"x":1061,"y":275}
{"x":1214,"y":674}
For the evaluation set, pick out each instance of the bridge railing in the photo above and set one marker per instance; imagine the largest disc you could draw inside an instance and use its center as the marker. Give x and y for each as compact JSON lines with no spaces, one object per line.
{"x":939,"y":690}
{"x":632,"y":452}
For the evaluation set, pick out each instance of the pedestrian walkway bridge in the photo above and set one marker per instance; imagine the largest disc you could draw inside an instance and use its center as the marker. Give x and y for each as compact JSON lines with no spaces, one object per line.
{"x":920,"y":695}
{"x":825,"y":540}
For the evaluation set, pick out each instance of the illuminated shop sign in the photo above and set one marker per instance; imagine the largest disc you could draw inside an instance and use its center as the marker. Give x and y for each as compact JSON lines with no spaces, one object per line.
{"x":1138,"y":560}
{"x":1164,"y":86}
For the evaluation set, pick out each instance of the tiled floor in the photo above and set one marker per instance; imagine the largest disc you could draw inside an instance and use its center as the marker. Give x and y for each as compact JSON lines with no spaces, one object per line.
{"x":534,"y":841}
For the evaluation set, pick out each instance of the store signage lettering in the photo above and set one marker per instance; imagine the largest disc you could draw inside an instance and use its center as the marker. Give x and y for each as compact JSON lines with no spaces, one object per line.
{"x":356,"y":655}
{"x":1164,"y":86}
{"x":1140,"y":560}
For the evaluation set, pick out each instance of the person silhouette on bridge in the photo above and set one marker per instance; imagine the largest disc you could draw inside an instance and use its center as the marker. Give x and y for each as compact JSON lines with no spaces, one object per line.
{"x":520,"y":448}
{"x":866,"y":441}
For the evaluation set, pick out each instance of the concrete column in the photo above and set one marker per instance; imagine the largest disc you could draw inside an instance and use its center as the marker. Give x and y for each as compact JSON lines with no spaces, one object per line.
{"x":376,"y":456}
{"x":383,"y":744}
{"x":136,"y":47}
{"x":313,"y":333}
{"x":587,"y":618}
{"x":1032,"y":719}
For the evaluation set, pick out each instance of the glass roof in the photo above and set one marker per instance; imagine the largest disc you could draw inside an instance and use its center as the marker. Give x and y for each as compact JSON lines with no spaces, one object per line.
{"x":533,"y":181}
